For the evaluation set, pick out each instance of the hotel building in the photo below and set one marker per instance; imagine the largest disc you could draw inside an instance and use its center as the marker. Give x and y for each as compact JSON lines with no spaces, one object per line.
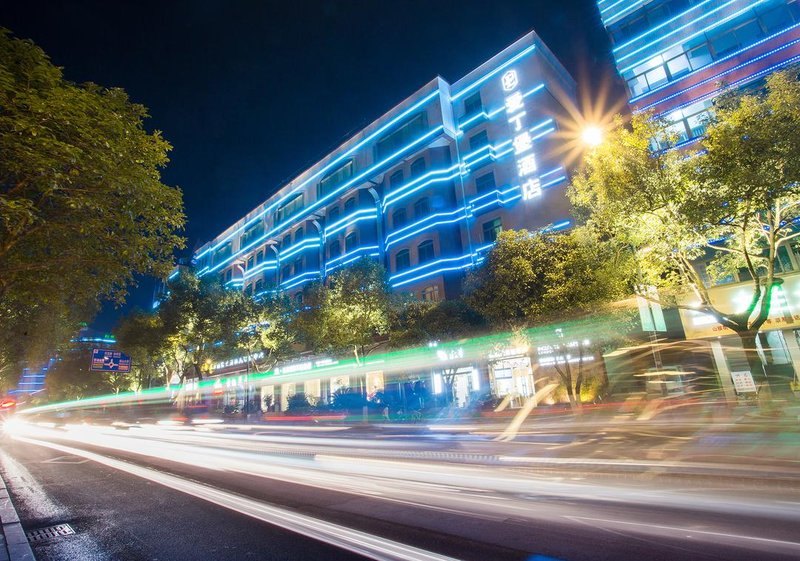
{"x":676,"y":56}
{"x":425,"y":188}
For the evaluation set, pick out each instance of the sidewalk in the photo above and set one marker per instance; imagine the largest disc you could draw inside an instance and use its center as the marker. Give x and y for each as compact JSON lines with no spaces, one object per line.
{"x":13,"y":542}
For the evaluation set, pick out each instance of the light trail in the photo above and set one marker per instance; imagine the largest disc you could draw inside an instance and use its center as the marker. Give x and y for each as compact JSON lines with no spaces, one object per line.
{"x":362,"y":543}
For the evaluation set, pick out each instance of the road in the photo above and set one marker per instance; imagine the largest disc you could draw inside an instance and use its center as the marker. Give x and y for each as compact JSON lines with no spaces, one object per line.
{"x":295,"y":493}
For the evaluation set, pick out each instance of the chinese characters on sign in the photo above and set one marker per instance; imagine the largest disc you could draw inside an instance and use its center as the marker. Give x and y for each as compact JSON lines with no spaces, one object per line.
{"x":106,"y":360}
{"x":522,"y":142}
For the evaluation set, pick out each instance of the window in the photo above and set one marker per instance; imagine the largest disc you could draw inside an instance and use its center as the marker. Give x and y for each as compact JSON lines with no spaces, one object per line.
{"x":298,"y":298}
{"x":248,"y":289}
{"x":260,"y":257}
{"x":473,"y":104}
{"x":401,"y":136}
{"x":349,"y":205}
{"x":396,"y":179}
{"x":418,"y":167}
{"x":287,"y":241}
{"x":333,"y":215}
{"x":251,"y":234}
{"x":491,"y":229}
{"x":298,"y":235}
{"x":402,"y":260}
{"x":425,"y":251}
{"x":334,"y":249}
{"x":399,"y":218}
{"x":335,"y":179}
{"x":298,"y":266}
{"x":422,"y":207}
{"x":485,"y":183}
{"x":229,"y":275}
{"x":430,"y":294}
{"x":250,"y":261}
{"x":290,"y":208}
{"x":478,"y":140}
{"x":222,"y":253}
{"x":350,"y":242}
{"x":286,"y":272}
{"x":699,"y":56}
{"x":259,"y":286}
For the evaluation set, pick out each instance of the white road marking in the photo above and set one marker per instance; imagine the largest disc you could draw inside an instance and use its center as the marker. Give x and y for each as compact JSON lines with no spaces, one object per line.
{"x":362,"y":543}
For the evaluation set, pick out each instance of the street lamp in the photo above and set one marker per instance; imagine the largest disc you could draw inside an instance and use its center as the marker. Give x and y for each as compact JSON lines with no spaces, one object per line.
{"x":592,"y":136}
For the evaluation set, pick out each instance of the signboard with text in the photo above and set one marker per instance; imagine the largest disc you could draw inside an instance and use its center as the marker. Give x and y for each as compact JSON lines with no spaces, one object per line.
{"x":107,"y":360}
{"x":743,"y":381}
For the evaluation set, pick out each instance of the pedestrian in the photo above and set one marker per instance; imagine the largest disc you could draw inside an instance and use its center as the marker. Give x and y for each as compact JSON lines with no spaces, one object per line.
{"x":386,"y":412}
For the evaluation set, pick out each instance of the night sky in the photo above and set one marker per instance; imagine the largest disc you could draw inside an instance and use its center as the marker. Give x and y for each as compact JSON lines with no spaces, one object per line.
{"x":250,"y":93}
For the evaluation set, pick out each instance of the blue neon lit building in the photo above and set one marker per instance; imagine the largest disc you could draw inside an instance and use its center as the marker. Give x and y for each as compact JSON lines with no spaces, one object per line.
{"x":425,"y":188}
{"x":677,"y":55}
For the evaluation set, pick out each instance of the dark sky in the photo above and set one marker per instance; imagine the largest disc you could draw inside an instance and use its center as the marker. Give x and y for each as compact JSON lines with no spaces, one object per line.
{"x":251,"y":92}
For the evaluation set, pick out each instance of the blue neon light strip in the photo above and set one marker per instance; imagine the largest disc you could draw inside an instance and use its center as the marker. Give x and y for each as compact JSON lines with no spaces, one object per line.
{"x":491,"y":73}
{"x":656,"y":28}
{"x":691,"y":36}
{"x":395,"y":281}
{"x":351,"y":259}
{"x":260,"y":268}
{"x":734,"y":85}
{"x":716,"y":77}
{"x":330,"y":165}
{"x":351,"y":255}
{"x":493,"y":113}
{"x":173,"y":274}
{"x":618,"y":15}
{"x":423,"y":225}
{"x":353,"y":181}
{"x":302,"y":245}
{"x":299,"y":279}
{"x":350,"y":219}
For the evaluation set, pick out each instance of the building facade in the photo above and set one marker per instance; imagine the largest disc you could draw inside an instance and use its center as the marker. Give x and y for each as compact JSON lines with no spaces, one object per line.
{"x":425,"y":188}
{"x":676,"y":56}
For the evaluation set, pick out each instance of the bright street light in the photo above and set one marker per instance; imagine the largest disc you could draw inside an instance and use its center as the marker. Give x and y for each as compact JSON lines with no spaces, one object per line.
{"x":592,"y":136}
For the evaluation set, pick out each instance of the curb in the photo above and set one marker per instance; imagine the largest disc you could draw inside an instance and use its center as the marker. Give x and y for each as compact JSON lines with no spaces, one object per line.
{"x":16,"y":541}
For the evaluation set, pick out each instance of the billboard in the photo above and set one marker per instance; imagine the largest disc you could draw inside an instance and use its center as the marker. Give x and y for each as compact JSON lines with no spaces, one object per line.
{"x":107,"y":360}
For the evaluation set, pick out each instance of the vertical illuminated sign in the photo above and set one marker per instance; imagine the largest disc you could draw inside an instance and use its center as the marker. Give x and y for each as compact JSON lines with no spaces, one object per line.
{"x":522,"y":142}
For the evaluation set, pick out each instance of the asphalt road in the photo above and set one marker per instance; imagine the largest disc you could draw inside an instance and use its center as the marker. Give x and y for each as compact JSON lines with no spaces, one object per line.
{"x":429,"y":506}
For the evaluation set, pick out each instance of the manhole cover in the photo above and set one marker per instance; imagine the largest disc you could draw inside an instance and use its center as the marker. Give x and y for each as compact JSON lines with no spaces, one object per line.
{"x":49,"y":533}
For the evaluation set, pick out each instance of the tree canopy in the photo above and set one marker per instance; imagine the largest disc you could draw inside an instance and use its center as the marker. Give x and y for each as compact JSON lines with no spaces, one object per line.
{"x":721,"y":208}
{"x":83,"y":210}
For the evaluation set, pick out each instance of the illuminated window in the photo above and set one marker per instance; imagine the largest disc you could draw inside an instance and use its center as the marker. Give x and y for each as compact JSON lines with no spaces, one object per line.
{"x":402,"y":260}
{"x":401,"y":136}
{"x":334,"y":249}
{"x":396,"y":179}
{"x":473,"y":104}
{"x":349,"y":205}
{"x":430,"y":294}
{"x":425,"y":251}
{"x":350,"y":241}
{"x":298,"y":235}
{"x":485,"y":183}
{"x":417,"y":167}
{"x":290,"y":208}
{"x":422,"y":208}
{"x":491,"y":229}
{"x":478,"y":140}
{"x":335,"y":178}
{"x":399,"y":218}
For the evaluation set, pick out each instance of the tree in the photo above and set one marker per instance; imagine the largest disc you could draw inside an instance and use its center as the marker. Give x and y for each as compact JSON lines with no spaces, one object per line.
{"x":82,"y":208}
{"x":262,"y":328}
{"x":537,"y":278}
{"x":70,"y":377}
{"x":418,"y":322}
{"x":141,"y":336}
{"x":732,"y":202}
{"x":352,"y":312}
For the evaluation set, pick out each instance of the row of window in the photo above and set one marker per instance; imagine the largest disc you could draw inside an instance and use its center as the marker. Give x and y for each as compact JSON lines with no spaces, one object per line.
{"x":655,"y":13}
{"x":709,"y":47}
